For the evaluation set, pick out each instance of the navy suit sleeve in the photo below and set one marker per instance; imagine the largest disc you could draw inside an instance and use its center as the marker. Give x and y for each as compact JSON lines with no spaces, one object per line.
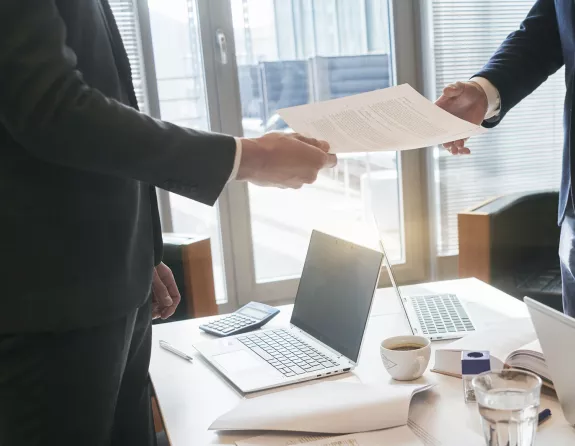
{"x":54,"y":115}
{"x":526,"y":58}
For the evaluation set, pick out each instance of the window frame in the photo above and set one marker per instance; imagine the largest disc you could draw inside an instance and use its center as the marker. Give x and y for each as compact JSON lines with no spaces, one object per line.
{"x":224,"y":108}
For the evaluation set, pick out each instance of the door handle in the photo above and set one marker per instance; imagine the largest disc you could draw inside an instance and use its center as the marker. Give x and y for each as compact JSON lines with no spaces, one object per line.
{"x":222,"y":45}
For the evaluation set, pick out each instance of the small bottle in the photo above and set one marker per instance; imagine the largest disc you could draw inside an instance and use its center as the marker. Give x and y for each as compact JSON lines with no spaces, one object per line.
{"x":472,"y":364}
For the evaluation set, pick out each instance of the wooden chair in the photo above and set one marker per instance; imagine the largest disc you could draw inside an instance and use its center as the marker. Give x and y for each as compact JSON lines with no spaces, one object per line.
{"x":190,"y":259}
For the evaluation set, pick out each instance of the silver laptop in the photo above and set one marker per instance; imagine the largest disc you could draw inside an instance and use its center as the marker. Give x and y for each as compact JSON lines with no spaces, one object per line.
{"x":437,"y":317}
{"x":327,"y":327}
{"x":556,"y":333}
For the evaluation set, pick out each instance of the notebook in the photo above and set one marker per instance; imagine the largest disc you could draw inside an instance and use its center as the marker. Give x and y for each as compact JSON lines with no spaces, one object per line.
{"x":512,"y":343}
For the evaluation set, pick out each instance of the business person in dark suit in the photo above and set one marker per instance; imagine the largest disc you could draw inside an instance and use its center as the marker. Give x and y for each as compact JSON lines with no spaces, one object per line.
{"x":79,"y":229}
{"x":544,"y":43}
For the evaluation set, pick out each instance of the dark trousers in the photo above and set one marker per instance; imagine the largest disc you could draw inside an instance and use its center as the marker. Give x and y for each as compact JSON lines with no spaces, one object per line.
{"x":567,"y":260}
{"x":85,"y":387}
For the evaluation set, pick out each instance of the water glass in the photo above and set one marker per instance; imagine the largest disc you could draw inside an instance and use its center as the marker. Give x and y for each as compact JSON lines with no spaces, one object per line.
{"x":509,"y":405}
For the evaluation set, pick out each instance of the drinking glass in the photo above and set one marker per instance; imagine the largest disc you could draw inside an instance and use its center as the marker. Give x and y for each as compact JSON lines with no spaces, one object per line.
{"x":509,"y":405}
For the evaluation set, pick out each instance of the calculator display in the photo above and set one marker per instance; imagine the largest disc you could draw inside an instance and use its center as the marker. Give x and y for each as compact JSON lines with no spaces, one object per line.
{"x":252,"y":312}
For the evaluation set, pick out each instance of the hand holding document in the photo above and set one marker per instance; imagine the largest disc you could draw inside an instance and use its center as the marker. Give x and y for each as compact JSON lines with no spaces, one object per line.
{"x":329,"y":407}
{"x":395,"y":118}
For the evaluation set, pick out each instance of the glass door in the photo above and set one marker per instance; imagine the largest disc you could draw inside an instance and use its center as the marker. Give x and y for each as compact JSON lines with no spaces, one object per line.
{"x":228,"y":66}
{"x":163,"y":40}
{"x":290,"y":52}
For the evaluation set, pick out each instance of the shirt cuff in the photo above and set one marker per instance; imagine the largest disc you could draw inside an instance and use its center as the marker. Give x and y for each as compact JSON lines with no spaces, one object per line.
{"x":237,"y":160}
{"x":493,"y":98}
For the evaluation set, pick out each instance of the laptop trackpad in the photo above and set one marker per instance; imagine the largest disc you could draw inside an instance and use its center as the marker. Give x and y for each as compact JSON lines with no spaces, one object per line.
{"x":239,"y":361}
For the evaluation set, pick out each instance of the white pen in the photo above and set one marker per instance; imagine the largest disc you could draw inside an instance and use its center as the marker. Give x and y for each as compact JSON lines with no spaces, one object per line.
{"x":175,"y":351}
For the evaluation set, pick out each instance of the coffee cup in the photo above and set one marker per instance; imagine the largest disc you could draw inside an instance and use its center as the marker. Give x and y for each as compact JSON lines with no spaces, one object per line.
{"x":405,"y":357}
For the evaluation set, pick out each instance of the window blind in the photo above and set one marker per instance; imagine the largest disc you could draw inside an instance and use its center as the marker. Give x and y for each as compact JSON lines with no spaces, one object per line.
{"x":524,"y":152}
{"x":125,"y":12}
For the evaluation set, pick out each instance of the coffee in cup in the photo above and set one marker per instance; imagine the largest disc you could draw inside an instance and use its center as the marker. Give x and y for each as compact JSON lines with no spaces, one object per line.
{"x":405,"y":357}
{"x":407,"y":347}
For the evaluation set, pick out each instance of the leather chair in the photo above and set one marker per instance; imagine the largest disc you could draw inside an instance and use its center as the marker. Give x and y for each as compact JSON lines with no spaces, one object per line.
{"x":512,"y":242}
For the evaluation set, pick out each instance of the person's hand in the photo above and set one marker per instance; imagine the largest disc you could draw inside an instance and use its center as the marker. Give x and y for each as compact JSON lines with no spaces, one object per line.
{"x":165,"y":294}
{"x":467,"y":101}
{"x":283,"y":160}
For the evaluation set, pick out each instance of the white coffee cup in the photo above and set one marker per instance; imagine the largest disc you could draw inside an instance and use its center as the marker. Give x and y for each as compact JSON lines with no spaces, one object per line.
{"x":405,"y":357}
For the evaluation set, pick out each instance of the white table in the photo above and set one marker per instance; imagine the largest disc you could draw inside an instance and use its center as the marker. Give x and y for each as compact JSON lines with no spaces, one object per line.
{"x":192,"y":396}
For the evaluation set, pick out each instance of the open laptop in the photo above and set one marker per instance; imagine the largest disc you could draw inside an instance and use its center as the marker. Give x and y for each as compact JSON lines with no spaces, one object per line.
{"x":325,"y":335}
{"x":556,"y":333}
{"x":437,"y":317}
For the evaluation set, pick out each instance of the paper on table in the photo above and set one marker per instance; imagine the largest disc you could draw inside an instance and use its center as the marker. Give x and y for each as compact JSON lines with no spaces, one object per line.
{"x":328,"y":407}
{"x":399,"y":436}
{"x":443,"y":423}
{"x":395,"y":118}
{"x":276,"y":439}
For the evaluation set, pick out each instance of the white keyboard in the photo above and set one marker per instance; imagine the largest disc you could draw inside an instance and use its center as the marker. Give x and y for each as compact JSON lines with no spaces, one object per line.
{"x":288,"y":354}
{"x":441,"y":314}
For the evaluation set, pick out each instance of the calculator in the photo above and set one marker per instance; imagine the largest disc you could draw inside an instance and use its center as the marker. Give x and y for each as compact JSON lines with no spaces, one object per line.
{"x":248,"y":318}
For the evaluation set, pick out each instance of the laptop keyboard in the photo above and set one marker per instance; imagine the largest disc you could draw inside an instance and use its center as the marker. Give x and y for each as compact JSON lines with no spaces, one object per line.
{"x":441,"y":314}
{"x":288,"y":354}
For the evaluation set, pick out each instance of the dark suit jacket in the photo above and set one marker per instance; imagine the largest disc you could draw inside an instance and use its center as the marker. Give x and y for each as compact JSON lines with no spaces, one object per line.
{"x":543,"y":44}
{"x":79,"y":225}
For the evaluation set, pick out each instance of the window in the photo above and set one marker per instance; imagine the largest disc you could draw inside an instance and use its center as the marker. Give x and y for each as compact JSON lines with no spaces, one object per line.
{"x":284,"y":53}
{"x":180,"y":94}
{"x":125,"y":13}
{"x":524,"y":152}
{"x":298,"y":51}
{"x":182,"y":100}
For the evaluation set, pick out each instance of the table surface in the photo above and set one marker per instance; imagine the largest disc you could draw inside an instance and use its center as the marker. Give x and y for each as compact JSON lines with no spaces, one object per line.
{"x":192,"y":396}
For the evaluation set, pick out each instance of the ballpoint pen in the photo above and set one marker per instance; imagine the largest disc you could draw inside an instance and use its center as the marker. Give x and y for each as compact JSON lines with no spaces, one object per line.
{"x":175,"y":351}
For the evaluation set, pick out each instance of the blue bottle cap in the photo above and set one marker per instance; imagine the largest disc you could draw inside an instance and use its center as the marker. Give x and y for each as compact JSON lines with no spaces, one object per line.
{"x":474,"y":363}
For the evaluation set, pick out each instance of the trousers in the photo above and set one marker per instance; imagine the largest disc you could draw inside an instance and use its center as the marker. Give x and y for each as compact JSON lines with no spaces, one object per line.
{"x":86,"y":387}
{"x":567,"y":261}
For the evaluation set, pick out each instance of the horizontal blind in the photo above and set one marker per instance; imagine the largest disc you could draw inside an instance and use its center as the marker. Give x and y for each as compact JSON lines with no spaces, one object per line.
{"x":523,"y":153}
{"x":125,"y":12}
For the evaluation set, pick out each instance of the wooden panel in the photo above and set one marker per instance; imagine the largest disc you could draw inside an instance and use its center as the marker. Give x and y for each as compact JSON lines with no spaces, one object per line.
{"x":199,"y":278}
{"x":474,"y":246}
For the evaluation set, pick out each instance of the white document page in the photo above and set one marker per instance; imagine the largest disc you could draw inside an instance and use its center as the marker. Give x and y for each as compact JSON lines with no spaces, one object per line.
{"x":395,"y":118}
{"x":329,"y":407}
{"x":442,"y":418}
{"x":399,"y":436}
{"x":281,"y":439}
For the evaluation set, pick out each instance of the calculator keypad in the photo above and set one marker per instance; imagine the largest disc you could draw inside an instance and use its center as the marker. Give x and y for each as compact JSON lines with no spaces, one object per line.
{"x":231,"y":323}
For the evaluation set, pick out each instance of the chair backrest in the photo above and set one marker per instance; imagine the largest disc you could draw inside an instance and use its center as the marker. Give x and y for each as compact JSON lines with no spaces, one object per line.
{"x":509,"y":237}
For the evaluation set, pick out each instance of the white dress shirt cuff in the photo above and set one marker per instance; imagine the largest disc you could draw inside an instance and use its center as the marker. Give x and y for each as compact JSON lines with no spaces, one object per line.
{"x":493,"y":98}
{"x":237,"y":160}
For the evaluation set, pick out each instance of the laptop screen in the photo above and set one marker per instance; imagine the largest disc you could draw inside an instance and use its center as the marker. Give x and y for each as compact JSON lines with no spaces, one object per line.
{"x":336,"y":288}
